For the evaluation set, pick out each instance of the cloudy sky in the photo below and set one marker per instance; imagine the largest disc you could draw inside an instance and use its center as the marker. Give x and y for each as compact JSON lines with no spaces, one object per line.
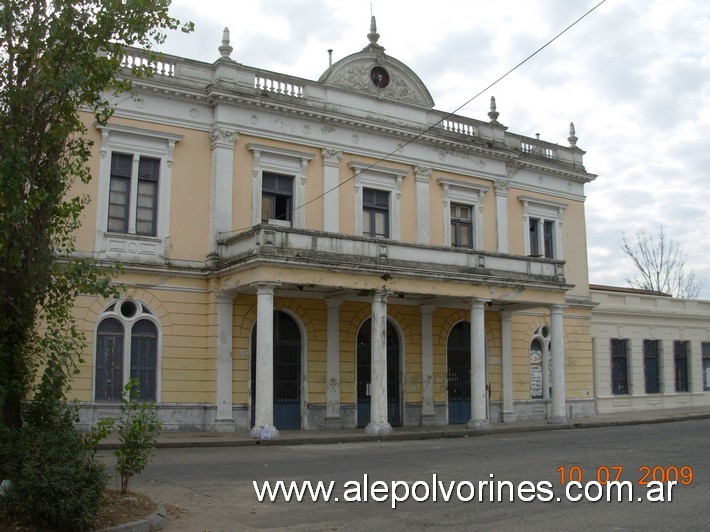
{"x":633,"y":76}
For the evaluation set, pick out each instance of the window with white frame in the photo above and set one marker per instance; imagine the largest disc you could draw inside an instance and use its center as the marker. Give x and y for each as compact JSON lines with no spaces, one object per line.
{"x":133,"y":203}
{"x":681,"y":350}
{"x":276,"y":197}
{"x":706,"y":365}
{"x":375,"y":185}
{"x":127,"y":346}
{"x":375,"y":213}
{"x":463,"y":220}
{"x":542,"y":227}
{"x":278,"y":185}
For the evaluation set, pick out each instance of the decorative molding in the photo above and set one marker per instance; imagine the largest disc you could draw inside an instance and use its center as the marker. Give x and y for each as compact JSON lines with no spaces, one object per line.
{"x":422,"y":173}
{"x":223,"y":138}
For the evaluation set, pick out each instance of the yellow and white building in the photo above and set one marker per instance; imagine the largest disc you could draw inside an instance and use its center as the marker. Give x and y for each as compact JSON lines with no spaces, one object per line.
{"x":331,"y":253}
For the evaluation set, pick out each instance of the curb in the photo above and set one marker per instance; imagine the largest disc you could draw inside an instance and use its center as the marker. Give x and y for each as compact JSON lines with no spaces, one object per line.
{"x":151,"y":523}
{"x":404,"y":436}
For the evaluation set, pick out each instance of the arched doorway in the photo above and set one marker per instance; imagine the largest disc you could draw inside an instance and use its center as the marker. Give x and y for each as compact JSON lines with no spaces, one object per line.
{"x":364,"y":372}
{"x":287,"y":372}
{"x":458,"y":368}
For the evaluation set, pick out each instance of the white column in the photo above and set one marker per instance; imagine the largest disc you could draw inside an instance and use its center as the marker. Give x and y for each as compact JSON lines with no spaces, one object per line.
{"x":332,"y":390}
{"x":222,"y":183}
{"x":507,"y":355}
{"x":479,"y":415}
{"x":224,"y":421}
{"x":331,"y":182}
{"x":501,"y":190}
{"x":428,"y":418}
{"x":557,"y":351}
{"x":264,"y":407}
{"x":379,"y":424}
{"x":422,"y":175}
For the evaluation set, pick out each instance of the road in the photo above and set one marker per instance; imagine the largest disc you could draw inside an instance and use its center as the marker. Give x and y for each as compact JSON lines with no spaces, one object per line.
{"x":215,"y":486}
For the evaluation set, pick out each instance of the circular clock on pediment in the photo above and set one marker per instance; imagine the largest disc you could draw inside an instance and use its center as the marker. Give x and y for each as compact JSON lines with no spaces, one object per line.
{"x":380,"y":77}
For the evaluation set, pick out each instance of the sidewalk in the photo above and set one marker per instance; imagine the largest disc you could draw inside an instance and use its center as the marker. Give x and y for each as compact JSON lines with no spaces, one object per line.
{"x":178,"y":439}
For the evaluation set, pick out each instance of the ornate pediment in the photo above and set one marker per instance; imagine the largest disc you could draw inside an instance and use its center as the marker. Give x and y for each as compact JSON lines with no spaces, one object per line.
{"x":373,"y":72}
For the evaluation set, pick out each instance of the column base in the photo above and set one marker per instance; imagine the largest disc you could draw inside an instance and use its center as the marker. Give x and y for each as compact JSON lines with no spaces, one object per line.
{"x":224,"y":425}
{"x":557,"y":420}
{"x":478,"y":424}
{"x":378,"y":429}
{"x":509,"y":417}
{"x":334,"y":422}
{"x":265,"y":433}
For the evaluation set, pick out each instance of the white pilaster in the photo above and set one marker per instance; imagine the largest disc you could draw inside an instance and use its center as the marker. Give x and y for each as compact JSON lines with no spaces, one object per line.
{"x":332,"y":390}
{"x":224,"y":421}
{"x":479,"y":412}
{"x":501,"y":191}
{"x":379,"y":425}
{"x":557,"y":350}
{"x":264,"y":407}
{"x":507,"y":356}
{"x":223,"y":140}
{"x":422,"y":175}
{"x":427,"y":367}
{"x":331,"y":182}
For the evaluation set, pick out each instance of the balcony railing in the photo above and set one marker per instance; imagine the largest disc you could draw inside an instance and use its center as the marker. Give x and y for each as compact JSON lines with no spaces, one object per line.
{"x":349,"y":253}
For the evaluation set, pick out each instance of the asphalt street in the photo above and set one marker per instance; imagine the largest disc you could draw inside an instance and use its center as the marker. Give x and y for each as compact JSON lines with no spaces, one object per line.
{"x":215,"y":485}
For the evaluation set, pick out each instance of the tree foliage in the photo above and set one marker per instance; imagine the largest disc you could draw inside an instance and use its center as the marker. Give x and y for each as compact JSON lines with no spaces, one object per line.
{"x":56,"y":57}
{"x":660,"y":265}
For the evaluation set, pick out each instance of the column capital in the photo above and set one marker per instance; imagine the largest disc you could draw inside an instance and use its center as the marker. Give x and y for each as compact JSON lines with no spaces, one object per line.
{"x":225,"y":297}
{"x":266,"y":288}
{"x":333,"y":303}
{"x":223,"y":138}
{"x":479,"y":302}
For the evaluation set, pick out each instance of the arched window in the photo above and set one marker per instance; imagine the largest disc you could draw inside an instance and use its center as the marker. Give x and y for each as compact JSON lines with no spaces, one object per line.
{"x":126,"y":346}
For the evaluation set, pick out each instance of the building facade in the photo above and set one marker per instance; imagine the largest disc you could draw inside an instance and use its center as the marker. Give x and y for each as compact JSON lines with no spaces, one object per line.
{"x":335,"y":253}
{"x":651,"y":351}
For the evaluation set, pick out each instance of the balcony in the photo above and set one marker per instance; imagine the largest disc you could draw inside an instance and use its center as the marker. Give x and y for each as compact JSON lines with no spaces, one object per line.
{"x":347,"y":254}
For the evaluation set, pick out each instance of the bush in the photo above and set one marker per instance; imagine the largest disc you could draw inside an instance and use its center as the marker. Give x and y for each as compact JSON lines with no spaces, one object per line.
{"x":138,"y":428}
{"x":55,"y":480}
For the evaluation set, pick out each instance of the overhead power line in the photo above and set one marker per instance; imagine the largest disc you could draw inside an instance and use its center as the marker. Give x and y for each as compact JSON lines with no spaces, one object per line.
{"x":446,"y":117}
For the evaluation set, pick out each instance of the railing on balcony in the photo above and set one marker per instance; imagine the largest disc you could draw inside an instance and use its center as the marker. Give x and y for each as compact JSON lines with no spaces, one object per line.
{"x":160,"y":67}
{"x":534,"y":148}
{"x":459,"y":125}
{"x":353,"y":252}
{"x":279,"y":86}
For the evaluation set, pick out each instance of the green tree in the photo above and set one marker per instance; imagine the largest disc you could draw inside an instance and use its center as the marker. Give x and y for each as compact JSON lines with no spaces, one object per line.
{"x":56,"y":57}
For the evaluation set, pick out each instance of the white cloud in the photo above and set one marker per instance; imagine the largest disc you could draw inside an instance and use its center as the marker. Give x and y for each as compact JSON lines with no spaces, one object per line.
{"x":634,"y":77}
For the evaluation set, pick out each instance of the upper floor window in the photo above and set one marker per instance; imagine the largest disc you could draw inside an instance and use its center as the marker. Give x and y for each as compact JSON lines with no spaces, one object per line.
{"x":375,"y":212}
{"x":461,"y":226}
{"x":462,"y":213}
{"x":278,"y":185}
{"x":377,"y":200}
{"x":276,"y":197}
{"x":619,"y":367}
{"x":133,"y":194}
{"x":126,"y":346}
{"x":543,"y":227}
